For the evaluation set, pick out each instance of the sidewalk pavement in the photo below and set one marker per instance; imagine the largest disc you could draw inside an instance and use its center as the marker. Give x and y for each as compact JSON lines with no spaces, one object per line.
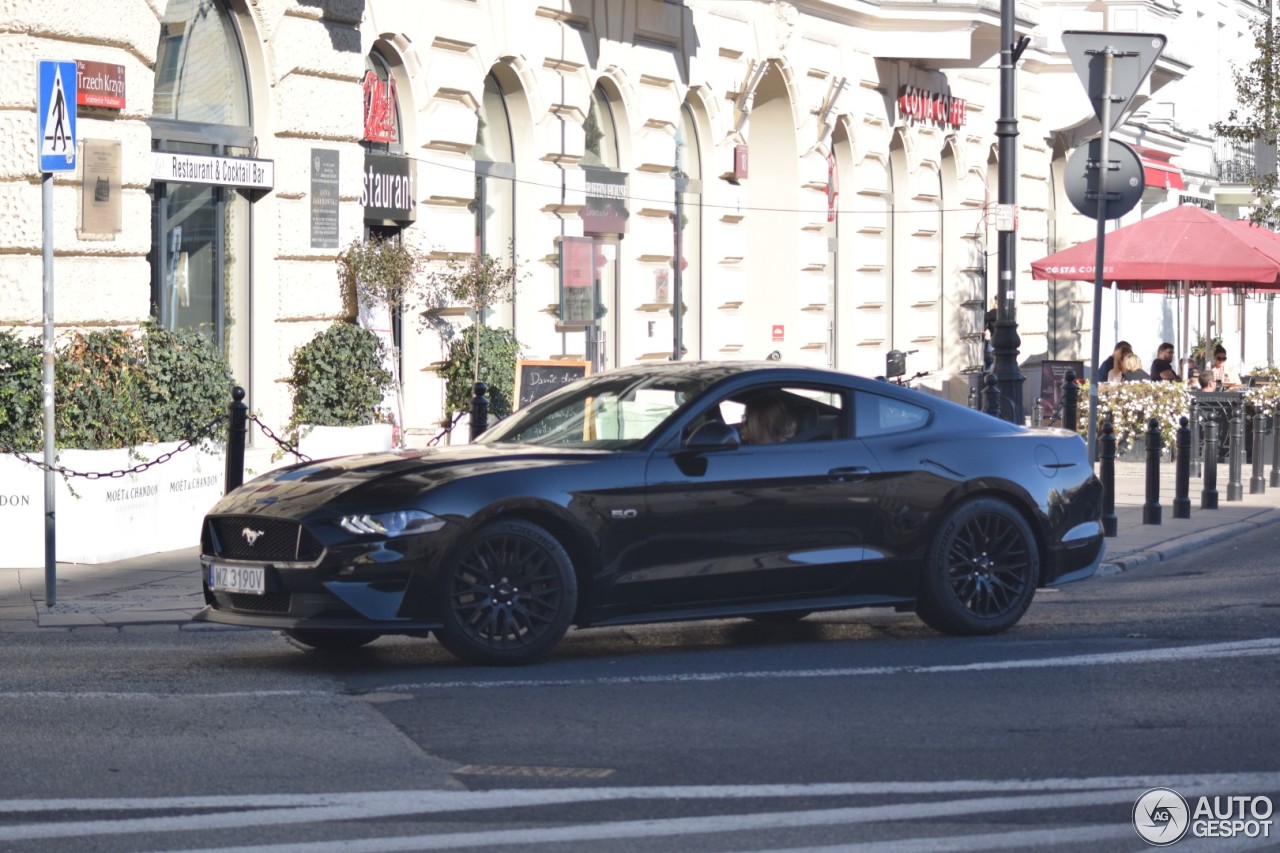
{"x":164,"y":589}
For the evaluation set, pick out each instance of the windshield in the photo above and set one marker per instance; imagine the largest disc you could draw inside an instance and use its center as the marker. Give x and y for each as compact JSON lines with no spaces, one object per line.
{"x":614,"y":412}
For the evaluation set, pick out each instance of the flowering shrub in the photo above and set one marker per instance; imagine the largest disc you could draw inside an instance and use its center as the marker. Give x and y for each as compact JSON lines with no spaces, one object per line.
{"x":1130,"y":405}
{"x":1265,"y":399}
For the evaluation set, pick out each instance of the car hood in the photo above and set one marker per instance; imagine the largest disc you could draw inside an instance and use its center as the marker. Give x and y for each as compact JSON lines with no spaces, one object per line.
{"x":396,"y":476}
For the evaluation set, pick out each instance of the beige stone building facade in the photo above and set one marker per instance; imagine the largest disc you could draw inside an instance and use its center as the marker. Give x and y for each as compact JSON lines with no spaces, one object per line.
{"x":831,"y":164}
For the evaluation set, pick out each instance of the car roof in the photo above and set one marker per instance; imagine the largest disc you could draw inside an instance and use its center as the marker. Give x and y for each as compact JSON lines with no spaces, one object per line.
{"x":721,"y":373}
{"x":716,"y":370}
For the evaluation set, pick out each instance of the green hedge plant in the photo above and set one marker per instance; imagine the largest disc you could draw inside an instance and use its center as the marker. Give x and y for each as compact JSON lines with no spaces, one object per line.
{"x":338,"y":378}
{"x":499,"y":353}
{"x":21,"y":397}
{"x":114,"y":388}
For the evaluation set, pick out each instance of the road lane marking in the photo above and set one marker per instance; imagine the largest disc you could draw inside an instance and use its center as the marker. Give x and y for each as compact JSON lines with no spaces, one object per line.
{"x":441,"y":800}
{"x":274,"y":810}
{"x":381,"y":807}
{"x":635,"y":830}
{"x":1263,"y":647}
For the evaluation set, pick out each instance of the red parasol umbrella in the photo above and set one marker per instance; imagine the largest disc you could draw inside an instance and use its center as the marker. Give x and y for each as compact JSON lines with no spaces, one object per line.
{"x":1181,"y":251}
{"x":1186,"y":243}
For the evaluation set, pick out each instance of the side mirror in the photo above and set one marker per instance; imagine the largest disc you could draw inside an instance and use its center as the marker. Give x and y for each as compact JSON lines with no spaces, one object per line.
{"x":713,"y":436}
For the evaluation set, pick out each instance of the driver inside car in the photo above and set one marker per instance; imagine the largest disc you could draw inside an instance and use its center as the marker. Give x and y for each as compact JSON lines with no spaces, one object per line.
{"x":765,"y":420}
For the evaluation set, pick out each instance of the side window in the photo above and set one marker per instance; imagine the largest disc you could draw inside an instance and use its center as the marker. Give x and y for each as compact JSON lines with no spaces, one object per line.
{"x":818,"y":414}
{"x":784,"y":414}
{"x":877,"y":415}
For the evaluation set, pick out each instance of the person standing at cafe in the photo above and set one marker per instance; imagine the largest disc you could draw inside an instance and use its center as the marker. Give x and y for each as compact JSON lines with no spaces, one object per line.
{"x":1224,"y":375}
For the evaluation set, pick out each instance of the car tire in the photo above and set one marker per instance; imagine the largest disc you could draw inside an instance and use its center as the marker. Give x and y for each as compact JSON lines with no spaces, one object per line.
{"x":332,"y":641}
{"x":508,"y":596}
{"x":981,"y":572}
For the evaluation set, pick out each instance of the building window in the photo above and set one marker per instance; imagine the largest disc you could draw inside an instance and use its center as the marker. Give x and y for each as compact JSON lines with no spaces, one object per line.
{"x":382,"y":128}
{"x":200,"y":75}
{"x":200,"y":233}
{"x":494,"y":204}
{"x":604,"y":220}
{"x":689,"y":259}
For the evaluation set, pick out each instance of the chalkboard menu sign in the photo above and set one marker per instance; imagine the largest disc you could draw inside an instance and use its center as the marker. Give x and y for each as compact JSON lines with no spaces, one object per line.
{"x":536,"y":379}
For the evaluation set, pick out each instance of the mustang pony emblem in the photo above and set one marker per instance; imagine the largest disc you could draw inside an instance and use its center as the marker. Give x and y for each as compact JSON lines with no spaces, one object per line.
{"x":251,"y":536}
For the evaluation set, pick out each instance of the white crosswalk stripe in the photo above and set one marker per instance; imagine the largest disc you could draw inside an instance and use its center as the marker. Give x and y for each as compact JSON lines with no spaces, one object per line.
{"x":45,"y":820}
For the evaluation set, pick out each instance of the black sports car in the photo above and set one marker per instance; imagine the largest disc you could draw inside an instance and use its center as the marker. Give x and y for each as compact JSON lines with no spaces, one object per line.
{"x":631,"y":496}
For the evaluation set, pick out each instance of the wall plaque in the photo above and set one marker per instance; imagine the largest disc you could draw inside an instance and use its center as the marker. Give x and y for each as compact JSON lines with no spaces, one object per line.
{"x":100,"y":194}
{"x":324,"y":198}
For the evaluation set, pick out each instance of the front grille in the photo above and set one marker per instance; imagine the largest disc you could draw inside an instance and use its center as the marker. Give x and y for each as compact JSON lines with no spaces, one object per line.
{"x":275,"y":602}
{"x":274,"y":540}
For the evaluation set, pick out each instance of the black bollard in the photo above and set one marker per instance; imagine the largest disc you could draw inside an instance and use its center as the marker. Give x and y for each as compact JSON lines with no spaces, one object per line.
{"x":1258,"y":482}
{"x":1235,"y":458}
{"x":1197,"y":446}
{"x":237,"y":429}
{"x":1151,"y":509}
{"x":990,"y":395}
{"x":1107,"y":444}
{"x":1070,"y":401}
{"x":479,"y":410}
{"x":1209,"y":490}
{"x":1182,"y":472}
{"x":1275,"y":449}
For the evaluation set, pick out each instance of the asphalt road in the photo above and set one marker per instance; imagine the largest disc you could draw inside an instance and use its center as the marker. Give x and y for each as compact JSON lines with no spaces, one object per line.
{"x":861,"y":730}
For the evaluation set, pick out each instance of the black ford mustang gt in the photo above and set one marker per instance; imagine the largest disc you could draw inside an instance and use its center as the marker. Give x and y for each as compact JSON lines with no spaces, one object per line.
{"x":630,"y":496}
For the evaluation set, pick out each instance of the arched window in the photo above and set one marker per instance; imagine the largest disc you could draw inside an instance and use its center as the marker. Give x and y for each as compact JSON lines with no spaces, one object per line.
{"x":604,"y":220}
{"x":382,"y":128}
{"x":688,"y":261}
{"x":494,"y":203}
{"x":200,"y":232}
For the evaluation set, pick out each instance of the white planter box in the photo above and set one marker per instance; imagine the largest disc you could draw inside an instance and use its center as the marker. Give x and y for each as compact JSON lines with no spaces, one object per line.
{"x":325,"y":442}
{"x":21,"y":513}
{"x":108,"y":519}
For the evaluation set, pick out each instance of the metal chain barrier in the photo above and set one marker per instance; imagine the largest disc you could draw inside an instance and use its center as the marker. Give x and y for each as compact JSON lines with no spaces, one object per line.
{"x":284,"y":445}
{"x":447,"y":430}
{"x":187,"y":444}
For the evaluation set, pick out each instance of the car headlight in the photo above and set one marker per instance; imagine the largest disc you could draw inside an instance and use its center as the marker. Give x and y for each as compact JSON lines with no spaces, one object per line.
{"x":403,"y":522}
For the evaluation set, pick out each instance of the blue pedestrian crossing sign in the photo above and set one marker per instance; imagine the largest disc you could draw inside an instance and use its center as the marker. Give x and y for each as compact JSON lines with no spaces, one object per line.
{"x":56,"y":116}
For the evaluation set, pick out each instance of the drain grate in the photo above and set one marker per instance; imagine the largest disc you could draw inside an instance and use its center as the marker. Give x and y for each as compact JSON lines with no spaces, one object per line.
{"x":533,"y":772}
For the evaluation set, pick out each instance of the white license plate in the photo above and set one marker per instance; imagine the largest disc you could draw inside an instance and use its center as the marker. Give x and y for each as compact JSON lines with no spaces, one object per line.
{"x":250,"y":579}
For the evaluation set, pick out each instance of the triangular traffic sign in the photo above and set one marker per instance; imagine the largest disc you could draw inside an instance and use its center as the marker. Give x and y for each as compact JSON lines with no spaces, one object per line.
{"x":57,"y":139}
{"x":56,"y":116}
{"x":1133,"y":54}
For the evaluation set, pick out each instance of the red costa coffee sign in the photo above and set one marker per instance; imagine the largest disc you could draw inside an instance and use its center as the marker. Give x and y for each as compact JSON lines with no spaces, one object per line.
{"x":923,"y":105}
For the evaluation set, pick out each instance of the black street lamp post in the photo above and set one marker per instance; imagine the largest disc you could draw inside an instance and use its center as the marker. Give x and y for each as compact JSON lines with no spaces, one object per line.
{"x":1004,"y":337}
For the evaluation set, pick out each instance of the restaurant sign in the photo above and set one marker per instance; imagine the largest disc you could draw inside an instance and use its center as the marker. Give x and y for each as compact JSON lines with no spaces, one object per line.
{"x":928,"y":106}
{"x":387,"y":188}
{"x":99,"y":84}
{"x":379,"y":108}
{"x":606,"y":208}
{"x":167,"y":166}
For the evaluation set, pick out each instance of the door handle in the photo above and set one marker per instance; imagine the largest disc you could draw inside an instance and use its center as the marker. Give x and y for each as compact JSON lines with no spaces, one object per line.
{"x":853,"y":474}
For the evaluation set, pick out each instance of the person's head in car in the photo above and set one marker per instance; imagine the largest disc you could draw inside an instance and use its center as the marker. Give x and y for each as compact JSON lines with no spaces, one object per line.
{"x":765,"y":420}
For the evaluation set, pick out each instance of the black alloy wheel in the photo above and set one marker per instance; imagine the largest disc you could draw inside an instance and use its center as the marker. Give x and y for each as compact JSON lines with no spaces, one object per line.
{"x":332,"y":641}
{"x":508,"y":597}
{"x":982,"y":570}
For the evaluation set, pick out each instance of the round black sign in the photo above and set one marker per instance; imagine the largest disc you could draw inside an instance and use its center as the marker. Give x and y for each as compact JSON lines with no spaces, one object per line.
{"x":1125,"y":179}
